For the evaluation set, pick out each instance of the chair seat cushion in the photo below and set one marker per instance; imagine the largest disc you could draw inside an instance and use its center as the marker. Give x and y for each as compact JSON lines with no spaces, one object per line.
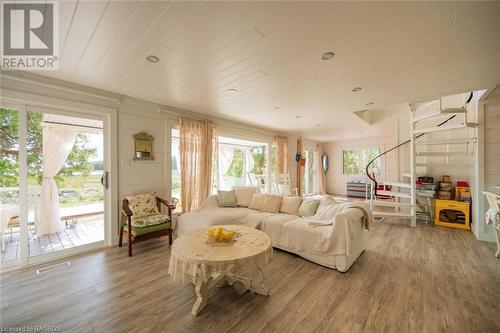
{"x":147,"y":221}
{"x":146,"y":230}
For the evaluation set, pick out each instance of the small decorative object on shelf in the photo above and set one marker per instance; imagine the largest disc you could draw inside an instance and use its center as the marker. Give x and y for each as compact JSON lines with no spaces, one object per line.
{"x":445,"y":188}
{"x":462,"y":191}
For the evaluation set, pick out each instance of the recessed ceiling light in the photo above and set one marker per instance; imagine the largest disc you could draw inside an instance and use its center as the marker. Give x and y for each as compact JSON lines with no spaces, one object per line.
{"x":152,"y":58}
{"x":277,"y":107}
{"x":297,"y":116}
{"x":369,"y":103}
{"x":327,"y":55}
{"x":232,"y":90}
{"x":356,"y":89}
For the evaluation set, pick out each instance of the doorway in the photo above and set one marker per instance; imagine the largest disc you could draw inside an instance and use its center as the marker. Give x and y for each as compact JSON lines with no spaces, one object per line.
{"x":53,"y":184}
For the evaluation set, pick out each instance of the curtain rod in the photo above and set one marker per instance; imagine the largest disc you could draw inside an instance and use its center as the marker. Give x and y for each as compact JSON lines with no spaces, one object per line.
{"x":74,"y":125}
{"x":221,"y":122}
{"x":61,"y":88}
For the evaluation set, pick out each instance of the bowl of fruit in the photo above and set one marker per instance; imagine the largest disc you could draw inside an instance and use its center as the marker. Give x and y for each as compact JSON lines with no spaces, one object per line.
{"x":220,"y":235}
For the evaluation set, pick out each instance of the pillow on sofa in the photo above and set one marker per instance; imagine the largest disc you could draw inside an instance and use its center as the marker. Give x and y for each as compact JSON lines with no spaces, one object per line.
{"x":272,"y":204}
{"x":257,"y":201}
{"x":290,"y":205}
{"x":227,"y":199}
{"x":308,"y":207}
{"x":244,"y":194}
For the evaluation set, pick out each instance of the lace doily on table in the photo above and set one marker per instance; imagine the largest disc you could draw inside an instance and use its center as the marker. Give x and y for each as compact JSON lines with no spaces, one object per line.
{"x":191,"y":256}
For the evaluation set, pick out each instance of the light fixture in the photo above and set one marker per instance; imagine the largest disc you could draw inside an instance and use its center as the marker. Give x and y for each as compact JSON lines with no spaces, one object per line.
{"x":152,"y":58}
{"x":277,"y":107}
{"x":356,"y":89}
{"x":232,"y":90}
{"x":369,"y":103}
{"x":298,"y":116}
{"x":327,"y":55}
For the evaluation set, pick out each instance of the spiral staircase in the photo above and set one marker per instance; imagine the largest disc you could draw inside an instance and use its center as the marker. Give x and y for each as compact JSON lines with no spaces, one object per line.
{"x":399,"y":198}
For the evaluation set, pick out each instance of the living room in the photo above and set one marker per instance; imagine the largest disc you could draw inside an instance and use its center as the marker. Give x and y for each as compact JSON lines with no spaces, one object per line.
{"x":236,"y":166}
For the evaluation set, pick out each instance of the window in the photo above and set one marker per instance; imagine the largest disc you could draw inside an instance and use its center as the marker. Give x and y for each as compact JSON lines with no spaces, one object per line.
{"x":176,"y":175}
{"x":310,"y":178}
{"x":355,"y":160}
{"x":240,"y":163}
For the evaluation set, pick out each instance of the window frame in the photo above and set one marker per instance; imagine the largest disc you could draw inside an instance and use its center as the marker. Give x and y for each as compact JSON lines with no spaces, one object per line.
{"x":361,"y":173}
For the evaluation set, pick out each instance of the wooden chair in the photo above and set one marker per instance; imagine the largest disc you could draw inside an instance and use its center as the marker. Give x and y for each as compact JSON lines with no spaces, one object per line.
{"x":140,"y":227}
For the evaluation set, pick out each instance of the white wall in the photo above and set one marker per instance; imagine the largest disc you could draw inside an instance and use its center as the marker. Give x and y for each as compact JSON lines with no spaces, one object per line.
{"x":132,"y":116}
{"x":488,"y":159}
{"x":336,"y":181}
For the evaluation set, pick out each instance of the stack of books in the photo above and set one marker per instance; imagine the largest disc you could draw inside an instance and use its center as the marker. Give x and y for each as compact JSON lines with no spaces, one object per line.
{"x":425,"y":187}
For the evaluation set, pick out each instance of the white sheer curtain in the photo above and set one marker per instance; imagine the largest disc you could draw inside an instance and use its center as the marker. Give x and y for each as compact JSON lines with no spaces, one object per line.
{"x":57,"y":144}
{"x":249,"y":164}
{"x":226,"y":154}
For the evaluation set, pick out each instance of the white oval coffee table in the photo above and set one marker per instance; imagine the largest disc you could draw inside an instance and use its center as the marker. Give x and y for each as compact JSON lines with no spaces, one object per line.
{"x":209,"y":264}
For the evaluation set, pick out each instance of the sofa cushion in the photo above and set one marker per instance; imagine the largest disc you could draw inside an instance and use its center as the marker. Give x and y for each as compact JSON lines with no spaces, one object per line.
{"x":257,"y":201}
{"x":227,"y":199}
{"x":244,"y":194}
{"x":290,"y":205}
{"x":143,"y":204}
{"x":308,"y":207}
{"x":272,"y":204}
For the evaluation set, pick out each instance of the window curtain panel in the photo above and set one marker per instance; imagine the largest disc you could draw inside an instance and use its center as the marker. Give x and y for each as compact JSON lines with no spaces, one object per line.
{"x":225,"y":157}
{"x":197,"y":141}
{"x":321,"y":179}
{"x":281,"y":154}
{"x":57,"y":144}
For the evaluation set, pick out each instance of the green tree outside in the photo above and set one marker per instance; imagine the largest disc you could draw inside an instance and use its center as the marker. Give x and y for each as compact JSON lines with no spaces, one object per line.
{"x":78,"y":161}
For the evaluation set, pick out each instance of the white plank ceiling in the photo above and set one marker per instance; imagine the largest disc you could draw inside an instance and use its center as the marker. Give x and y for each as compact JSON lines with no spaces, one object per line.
{"x":270,"y":53}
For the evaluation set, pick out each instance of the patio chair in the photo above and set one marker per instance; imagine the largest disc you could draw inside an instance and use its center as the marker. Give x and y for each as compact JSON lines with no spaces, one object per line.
{"x":142,"y":218}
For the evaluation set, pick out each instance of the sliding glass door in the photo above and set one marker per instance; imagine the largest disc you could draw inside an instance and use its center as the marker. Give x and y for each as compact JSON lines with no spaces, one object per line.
{"x":53,"y":200}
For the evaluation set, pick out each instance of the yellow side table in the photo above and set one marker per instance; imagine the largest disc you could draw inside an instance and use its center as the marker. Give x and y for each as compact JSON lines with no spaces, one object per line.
{"x":452,"y":213}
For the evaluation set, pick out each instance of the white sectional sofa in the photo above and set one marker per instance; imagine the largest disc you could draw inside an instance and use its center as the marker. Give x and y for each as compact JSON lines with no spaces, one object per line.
{"x":336,"y":244}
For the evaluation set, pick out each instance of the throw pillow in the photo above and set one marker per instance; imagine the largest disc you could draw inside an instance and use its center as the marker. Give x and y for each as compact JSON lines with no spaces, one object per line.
{"x":244,"y":194}
{"x":290,"y":205}
{"x":143,"y":204}
{"x":257,"y":201}
{"x":227,"y":199}
{"x":272,"y":204}
{"x":308,"y":207}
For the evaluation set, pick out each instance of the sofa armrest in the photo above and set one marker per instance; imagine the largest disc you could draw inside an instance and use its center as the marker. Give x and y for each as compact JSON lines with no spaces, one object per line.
{"x":347,"y":225}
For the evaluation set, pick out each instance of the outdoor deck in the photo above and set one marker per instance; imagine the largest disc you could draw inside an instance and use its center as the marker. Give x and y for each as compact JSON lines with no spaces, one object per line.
{"x":86,"y":231}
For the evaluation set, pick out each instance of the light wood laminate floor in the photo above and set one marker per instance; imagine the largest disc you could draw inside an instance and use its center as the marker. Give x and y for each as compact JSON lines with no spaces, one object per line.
{"x":423,"y":279}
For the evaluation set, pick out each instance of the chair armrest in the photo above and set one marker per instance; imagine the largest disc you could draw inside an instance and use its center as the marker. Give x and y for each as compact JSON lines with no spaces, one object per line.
{"x":126,"y":209}
{"x":169,"y":203}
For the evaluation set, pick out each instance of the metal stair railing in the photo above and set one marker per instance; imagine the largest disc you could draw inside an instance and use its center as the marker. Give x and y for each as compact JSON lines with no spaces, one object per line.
{"x":372,"y":175}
